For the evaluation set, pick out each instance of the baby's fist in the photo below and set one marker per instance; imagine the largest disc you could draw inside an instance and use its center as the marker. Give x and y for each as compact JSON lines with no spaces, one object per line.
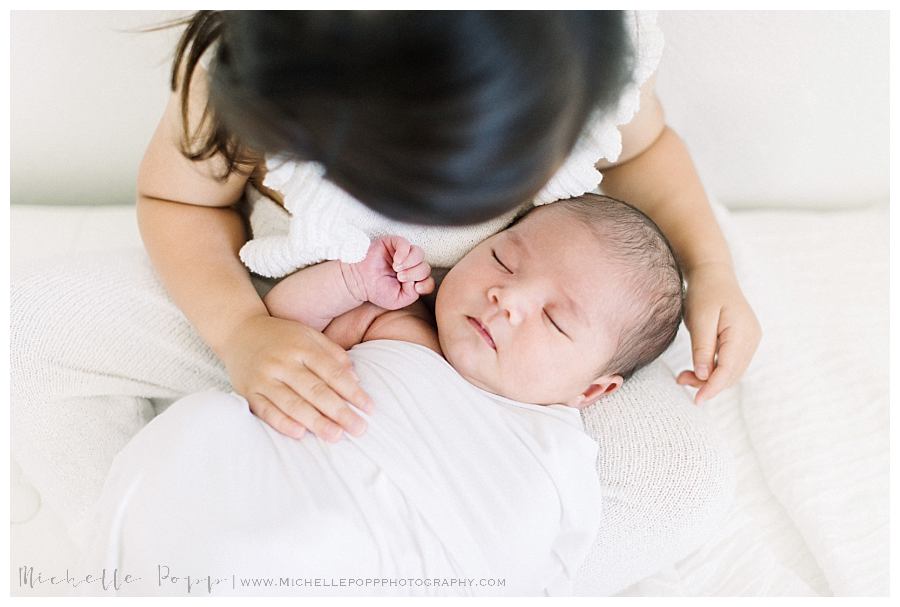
{"x":394,"y":273}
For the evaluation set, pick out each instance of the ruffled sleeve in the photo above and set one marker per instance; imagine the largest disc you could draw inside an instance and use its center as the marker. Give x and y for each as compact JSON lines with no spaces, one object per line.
{"x":602,"y":139}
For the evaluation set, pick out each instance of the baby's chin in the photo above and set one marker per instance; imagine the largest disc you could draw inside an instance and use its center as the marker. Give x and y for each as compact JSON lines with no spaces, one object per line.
{"x":465,"y":361}
{"x":517,"y":394}
{"x":472,"y":366}
{"x":479,"y":376}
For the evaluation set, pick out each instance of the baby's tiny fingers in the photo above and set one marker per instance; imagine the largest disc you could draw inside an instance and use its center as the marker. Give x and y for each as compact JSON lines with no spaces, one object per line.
{"x":425,"y":287}
{"x":414,"y":256}
{"x":408,"y":291}
{"x":402,"y":248}
{"x":415,"y":273}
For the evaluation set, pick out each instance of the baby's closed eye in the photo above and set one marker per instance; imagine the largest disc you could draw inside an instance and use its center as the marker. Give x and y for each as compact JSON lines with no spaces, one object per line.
{"x":555,"y":326}
{"x":494,"y":253}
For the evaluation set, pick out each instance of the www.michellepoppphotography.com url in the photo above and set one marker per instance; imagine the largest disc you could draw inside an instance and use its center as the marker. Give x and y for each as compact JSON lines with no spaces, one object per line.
{"x":114,"y":580}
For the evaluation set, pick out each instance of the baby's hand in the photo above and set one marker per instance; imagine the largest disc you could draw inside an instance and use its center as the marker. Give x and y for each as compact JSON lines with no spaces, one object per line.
{"x":394,"y":273}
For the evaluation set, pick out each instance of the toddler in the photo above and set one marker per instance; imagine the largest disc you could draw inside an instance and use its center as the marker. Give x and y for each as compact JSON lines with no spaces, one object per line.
{"x":559,"y":308}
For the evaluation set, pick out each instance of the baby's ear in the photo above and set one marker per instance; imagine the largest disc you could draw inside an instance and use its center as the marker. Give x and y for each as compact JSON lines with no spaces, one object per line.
{"x":599,"y":388}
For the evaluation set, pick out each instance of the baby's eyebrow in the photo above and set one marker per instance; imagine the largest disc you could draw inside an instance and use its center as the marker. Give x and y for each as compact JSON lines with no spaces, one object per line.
{"x":519,"y":242}
{"x":571,"y":304}
{"x":576,"y":309}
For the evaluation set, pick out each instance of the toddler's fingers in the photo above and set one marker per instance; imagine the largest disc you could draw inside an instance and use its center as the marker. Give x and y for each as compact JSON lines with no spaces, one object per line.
{"x":325,"y":422}
{"x":704,"y":333}
{"x":687,"y":378}
{"x":336,"y":370}
{"x":316,"y":391}
{"x":305,"y":385}
{"x":718,"y":381}
{"x":730,"y":365}
{"x":263,"y":408}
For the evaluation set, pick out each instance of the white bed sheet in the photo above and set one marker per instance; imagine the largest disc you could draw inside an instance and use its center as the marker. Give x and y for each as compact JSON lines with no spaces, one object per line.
{"x":809,"y":422}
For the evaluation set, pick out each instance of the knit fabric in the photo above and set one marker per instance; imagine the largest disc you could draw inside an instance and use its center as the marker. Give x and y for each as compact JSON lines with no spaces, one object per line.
{"x":667,"y":478}
{"x":321,"y":221}
{"x":95,"y":342}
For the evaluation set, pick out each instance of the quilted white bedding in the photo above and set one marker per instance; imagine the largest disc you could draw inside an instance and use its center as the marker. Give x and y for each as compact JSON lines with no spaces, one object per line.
{"x":808,"y":424}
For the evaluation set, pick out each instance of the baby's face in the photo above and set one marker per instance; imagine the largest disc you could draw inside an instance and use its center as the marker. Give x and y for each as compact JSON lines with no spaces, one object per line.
{"x":552,"y":304}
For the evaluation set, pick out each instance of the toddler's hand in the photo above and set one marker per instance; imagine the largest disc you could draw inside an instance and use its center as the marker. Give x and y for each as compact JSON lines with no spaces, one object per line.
{"x":724,"y":330}
{"x":394,"y":273}
{"x":295,"y":378}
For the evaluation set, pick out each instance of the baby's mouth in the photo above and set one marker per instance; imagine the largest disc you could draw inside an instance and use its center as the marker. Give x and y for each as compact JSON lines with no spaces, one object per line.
{"x":483,"y":331}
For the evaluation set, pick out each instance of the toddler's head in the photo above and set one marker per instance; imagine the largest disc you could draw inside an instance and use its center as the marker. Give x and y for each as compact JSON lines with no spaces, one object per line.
{"x":402,"y":107}
{"x":564,"y":305}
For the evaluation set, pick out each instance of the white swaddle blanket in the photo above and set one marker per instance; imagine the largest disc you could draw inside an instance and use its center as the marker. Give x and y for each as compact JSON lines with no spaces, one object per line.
{"x":448,"y":482}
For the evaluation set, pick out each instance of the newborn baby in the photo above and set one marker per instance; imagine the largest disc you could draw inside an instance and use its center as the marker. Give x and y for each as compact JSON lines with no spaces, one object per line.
{"x":559,"y":308}
{"x":474,"y":476}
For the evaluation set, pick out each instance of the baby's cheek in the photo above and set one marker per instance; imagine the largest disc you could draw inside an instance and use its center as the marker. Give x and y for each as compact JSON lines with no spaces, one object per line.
{"x":459,"y":354}
{"x":541,"y":377}
{"x":514,"y":378}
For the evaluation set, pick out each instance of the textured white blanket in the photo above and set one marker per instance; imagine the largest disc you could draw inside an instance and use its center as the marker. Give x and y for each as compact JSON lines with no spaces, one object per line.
{"x":809,"y":423}
{"x":449,"y":481}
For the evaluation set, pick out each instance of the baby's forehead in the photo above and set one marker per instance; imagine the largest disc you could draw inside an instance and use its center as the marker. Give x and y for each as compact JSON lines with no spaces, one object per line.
{"x":578,"y":263}
{"x":562,"y":236}
{"x":554,"y":220}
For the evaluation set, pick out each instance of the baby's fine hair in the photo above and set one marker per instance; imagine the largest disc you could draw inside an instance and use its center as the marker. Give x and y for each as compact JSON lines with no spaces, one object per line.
{"x":631,"y":238}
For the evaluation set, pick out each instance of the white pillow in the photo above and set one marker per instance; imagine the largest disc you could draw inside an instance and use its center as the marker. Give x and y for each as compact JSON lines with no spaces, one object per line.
{"x":667,"y":480}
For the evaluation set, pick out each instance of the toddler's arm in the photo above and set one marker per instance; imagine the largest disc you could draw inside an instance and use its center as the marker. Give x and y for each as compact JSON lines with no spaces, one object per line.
{"x":656,"y":174}
{"x":392,"y":276}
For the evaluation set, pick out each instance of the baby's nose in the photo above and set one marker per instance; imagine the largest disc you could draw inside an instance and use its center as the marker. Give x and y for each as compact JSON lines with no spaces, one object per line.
{"x":511,"y":304}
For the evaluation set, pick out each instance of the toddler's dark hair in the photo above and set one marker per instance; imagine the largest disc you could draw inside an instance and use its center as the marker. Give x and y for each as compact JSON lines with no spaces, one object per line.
{"x":425,"y":116}
{"x":653,"y":273}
